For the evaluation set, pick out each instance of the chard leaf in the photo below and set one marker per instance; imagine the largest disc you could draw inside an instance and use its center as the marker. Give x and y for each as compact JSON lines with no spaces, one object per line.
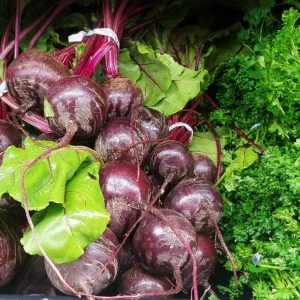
{"x":166,"y":85}
{"x":64,"y":230}
{"x":46,"y":180}
{"x":154,"y":77}
{"x":186,"y":85}
{"x":205,"y":143}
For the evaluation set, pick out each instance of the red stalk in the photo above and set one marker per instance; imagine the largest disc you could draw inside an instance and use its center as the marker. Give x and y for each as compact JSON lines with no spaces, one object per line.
{"x":11,"y":45}
{"x":17,"y":28}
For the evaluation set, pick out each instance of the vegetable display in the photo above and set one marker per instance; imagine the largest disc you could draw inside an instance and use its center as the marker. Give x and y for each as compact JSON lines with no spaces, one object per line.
{"x":150,"y":149}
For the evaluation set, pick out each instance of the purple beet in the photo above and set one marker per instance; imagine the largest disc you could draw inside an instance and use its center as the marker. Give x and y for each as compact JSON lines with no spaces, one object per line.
{"x":84,"y":274}
{"x":152,"y":121}
{"x":33,"y":279}
{"x":12,"y":255}
{"x":204,"y":167}
{"x":158,"y":247}
{"x":9,"y":136}
{"x":121,"y":139}
{"x":30,"y":75}
{"x":123,"y":184}
{"x":122,"y":95}
{"x":138,"y":281}
{"x":78,"y":106}
{"x":199,"y":201}
{"x":171,"y":161}
{"x":206,"y":257}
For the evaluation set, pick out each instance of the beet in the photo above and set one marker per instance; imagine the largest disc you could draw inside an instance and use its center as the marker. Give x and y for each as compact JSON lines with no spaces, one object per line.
{"x":78,"y":105}
{"x":33,"y":279}
{"x":138,"y":281}
{"x":9,"y":136}
{"x":84,"y":274}
{"x":152,"y":121}
{"x":198,"y":200}
{"x":123,"y":184}
{"x":30,"y":75}
{"x":12,"y":255}
{"x":122,"y":96}
{"x":117,"y":139}
{"x":170,"y":160}
{"x":126,"y":258}
{"x":206,"y":257}
{"x":158,"y":247}
{"x":204,"y":167}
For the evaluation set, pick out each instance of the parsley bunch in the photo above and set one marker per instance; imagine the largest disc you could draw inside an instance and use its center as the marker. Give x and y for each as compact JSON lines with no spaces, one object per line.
{"x":262,"y":216}
{"x":259,"y":91}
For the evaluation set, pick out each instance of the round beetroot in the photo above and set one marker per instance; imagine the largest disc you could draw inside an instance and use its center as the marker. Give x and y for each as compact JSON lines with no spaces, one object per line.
{"x":30,"y":75}
{"x":138,"y":281}
{"x":79,"y":105}
{"x":198,"y":201}
{"x":122,"y":96}
{"x":152,"y":121}
{"x":9,"y":136}
{"x":119,"y":135}
{"x":12,"y":255}
{"x":123,"y":184}
{"x":158,"y":247}
{"x":206,"y":257}
{"x":171,"y":159}
{"x":84,"y":273}
{"x":204,"y":167}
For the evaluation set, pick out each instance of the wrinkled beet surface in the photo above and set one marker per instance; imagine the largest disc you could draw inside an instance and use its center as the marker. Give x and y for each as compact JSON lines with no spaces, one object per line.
{"x":123,"y":184}
{"x":12,"y":255}
{"x":157,"y":246}
{"x":152,"y":121}
{"x":196,"y":198}
{"x":171,"y":158}
{"x":122,"y":96}
{"x":138,"y":281}
{"x":204,"y":167}
{"x":206,"y":257}
{"x":31,"y":74}
{"x":84,"y":274}
{"x":9,"y":135}
{"x":77,"y":102}
{"x":119,"y":135}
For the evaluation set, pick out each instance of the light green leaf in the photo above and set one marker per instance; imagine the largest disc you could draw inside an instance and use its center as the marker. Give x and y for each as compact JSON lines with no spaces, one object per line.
{"x":1,"y":69}
{"x":204,"y":142}
{"x":127,"y":67}
{"x":155,"y":77}
{"x":48,"y":111}
{"x":186,"y":85}
{"x":46,"y":180}
{"x":64,"y":230}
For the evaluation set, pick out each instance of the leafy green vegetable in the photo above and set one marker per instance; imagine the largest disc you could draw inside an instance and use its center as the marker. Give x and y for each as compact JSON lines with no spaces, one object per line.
{"x":46,"y":181}
{"x":260,"y":92}
{"x":167,"y":86}
{"x":64,"y":190}
{"x":204,"y":142}
{"x":73,"y":225}
{"x":262,"y":217}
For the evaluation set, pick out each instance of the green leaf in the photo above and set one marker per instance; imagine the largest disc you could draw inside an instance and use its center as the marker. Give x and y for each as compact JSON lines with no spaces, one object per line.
{"x":155,"y":77}
{"x":186,"y":85}
{"x":1,"y":69}
{"x":48,"y":111}
{"x":204,"y":142}
{"x":127,"y":67}
{"x":46,"y":180}
{"x":64,"y":230}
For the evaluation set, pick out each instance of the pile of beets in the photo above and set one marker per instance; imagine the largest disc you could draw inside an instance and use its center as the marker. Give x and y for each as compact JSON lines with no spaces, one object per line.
{"x":164,"y":208}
